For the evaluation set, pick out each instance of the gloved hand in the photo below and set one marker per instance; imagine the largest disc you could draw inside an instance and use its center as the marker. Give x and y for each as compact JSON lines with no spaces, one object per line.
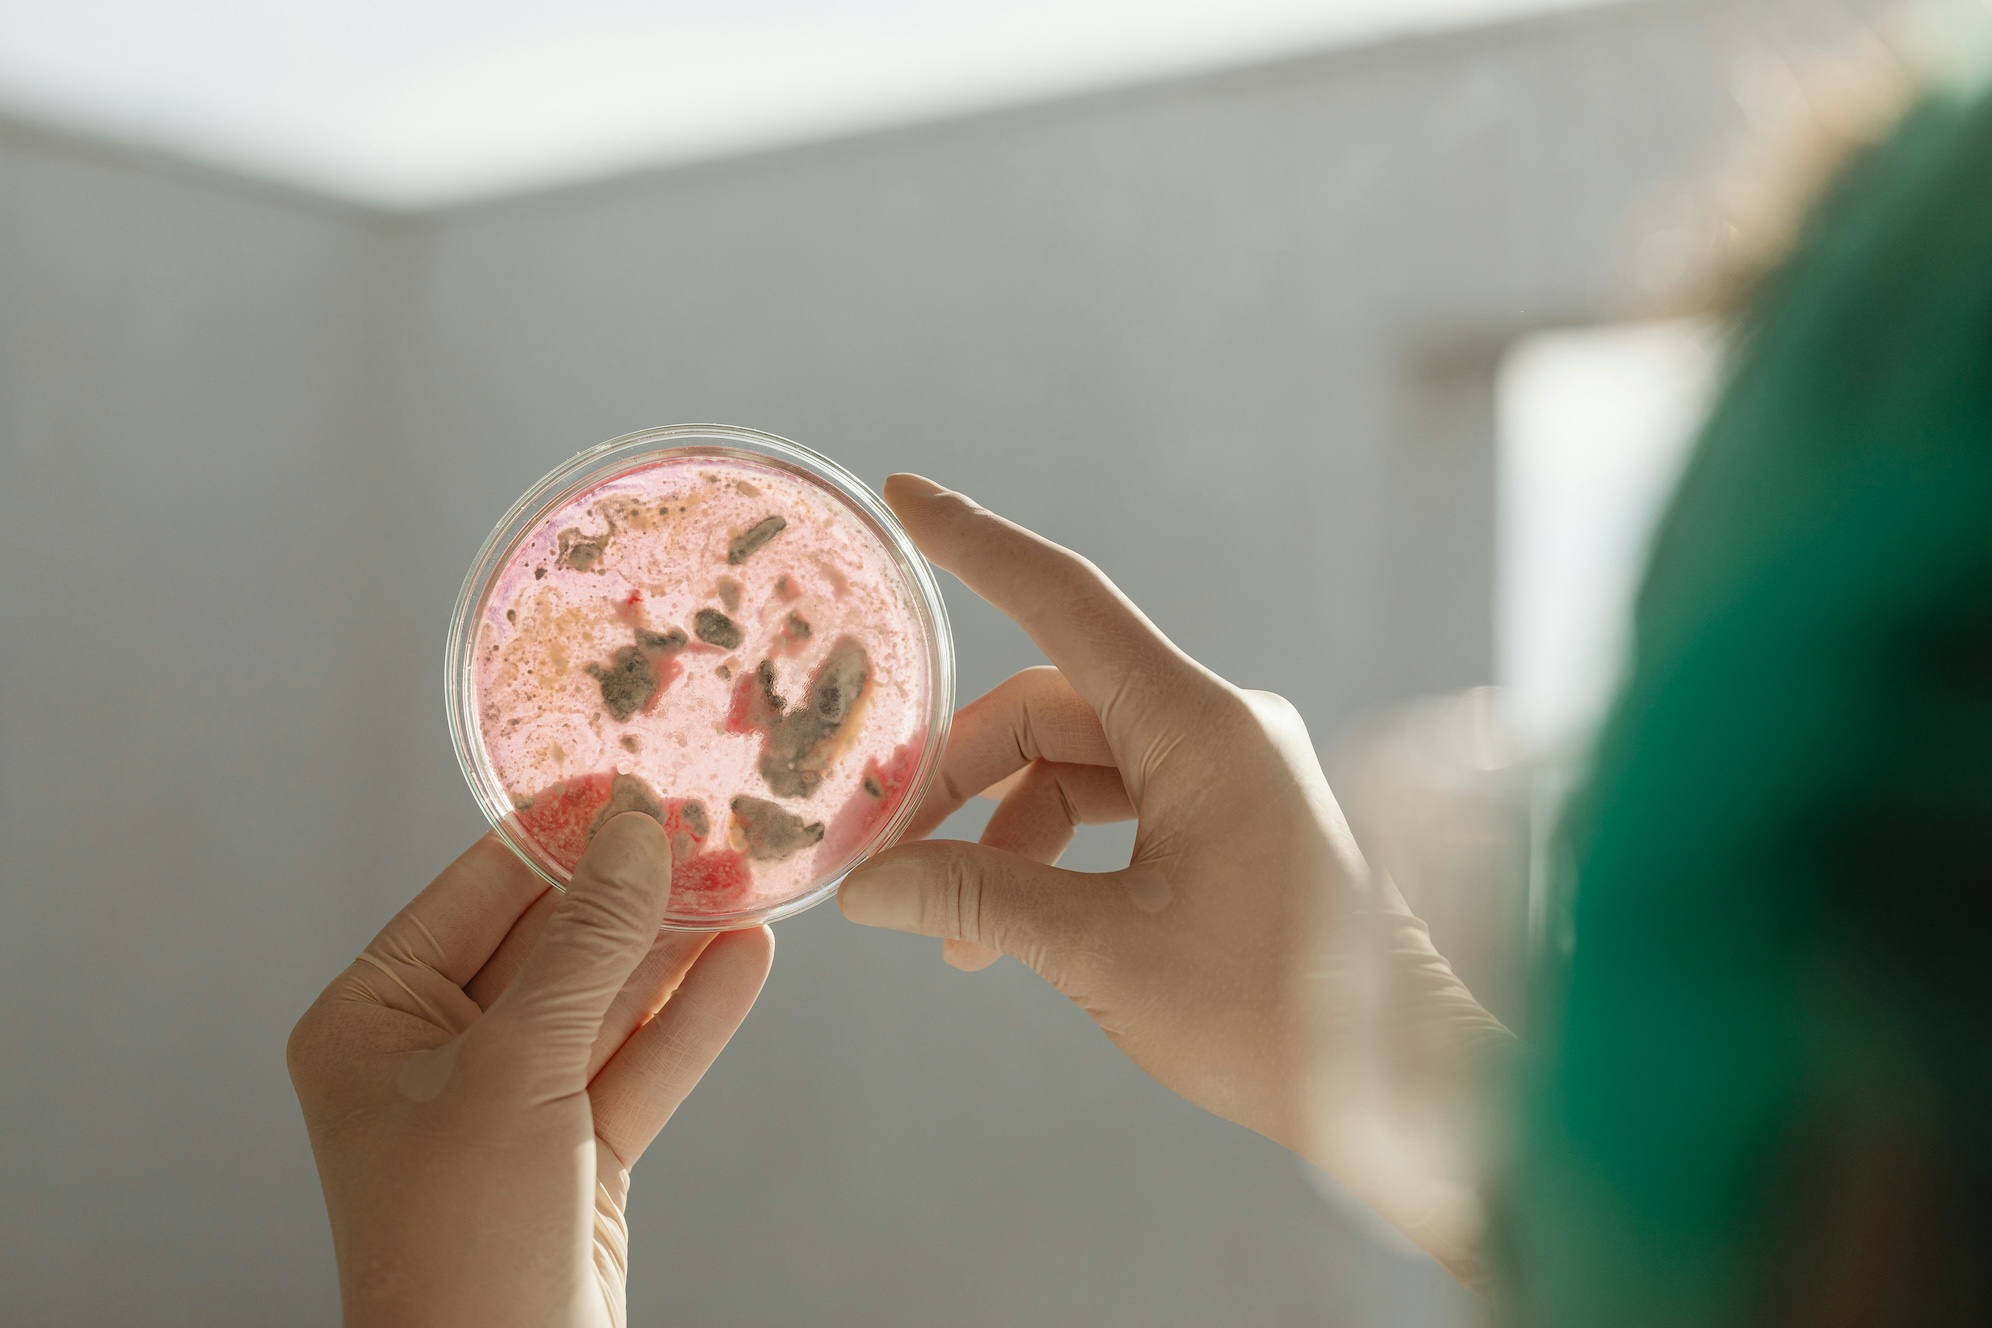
{"x":479,"y":1082}
{"x":1245,"y":957}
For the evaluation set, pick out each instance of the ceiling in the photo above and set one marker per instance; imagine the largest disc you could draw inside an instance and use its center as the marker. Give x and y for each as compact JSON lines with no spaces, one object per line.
{"x":413,"y":103}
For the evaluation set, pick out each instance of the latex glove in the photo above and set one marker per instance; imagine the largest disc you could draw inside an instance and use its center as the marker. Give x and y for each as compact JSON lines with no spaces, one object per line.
{"x":1244,"y":958}
{"x":480,"y":1080}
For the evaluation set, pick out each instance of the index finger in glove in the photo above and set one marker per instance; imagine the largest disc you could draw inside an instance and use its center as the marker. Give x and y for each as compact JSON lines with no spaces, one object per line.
{"x":598,"y":933}
{"x":1029,"y":716}
{"x":1079,"y":618}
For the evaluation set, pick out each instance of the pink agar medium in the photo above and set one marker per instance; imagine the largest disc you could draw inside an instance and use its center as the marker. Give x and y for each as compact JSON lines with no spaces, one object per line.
{"x":721,"y":643}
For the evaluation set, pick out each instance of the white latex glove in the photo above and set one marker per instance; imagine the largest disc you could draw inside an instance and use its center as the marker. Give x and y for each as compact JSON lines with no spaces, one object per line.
{"x":1244,"y":957}
{"x":479,"y":1082}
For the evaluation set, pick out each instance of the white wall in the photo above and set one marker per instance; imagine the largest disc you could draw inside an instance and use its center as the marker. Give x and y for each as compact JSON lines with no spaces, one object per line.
{"x":186,"y":423}
{"x":1233,"y":336}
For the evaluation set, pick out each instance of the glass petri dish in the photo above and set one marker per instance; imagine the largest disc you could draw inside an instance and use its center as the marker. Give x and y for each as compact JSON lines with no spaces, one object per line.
{"x":719,"y":628}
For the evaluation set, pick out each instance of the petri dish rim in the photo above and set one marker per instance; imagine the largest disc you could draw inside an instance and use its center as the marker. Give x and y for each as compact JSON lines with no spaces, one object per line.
{"x":631,"y":452}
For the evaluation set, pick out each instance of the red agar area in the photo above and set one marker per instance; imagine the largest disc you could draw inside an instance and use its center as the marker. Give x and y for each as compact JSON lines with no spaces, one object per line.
{"x":876,"y":798}
{"x":715,"y":882}
{"x":563,"y":820}
{"x":756,"y":707}
{"x":668,"y":670}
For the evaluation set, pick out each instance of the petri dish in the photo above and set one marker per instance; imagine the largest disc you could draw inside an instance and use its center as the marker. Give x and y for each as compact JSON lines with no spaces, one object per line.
{"x":719,"y":628}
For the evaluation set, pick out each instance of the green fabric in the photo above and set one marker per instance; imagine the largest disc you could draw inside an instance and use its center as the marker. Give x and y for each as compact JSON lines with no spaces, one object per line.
{"x":1781,"y":893}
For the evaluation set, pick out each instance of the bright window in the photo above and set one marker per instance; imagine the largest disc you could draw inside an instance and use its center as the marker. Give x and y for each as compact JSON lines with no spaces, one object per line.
{"x":1594,"y":427}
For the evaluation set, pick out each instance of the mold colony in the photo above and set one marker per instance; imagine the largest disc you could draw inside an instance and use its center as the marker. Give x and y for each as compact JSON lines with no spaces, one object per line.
{"x":720,"y":643}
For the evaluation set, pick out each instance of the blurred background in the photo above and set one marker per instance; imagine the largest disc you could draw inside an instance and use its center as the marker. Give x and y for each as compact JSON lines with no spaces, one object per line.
{"x":1333,"y":329}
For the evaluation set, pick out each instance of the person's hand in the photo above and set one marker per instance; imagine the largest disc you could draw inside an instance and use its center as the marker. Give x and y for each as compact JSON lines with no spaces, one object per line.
{"x":1241,"y":955}
{"x":479,"y":1082}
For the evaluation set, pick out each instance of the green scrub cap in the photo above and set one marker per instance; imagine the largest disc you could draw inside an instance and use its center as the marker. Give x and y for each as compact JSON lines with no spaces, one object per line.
{"x":1779,"y":978}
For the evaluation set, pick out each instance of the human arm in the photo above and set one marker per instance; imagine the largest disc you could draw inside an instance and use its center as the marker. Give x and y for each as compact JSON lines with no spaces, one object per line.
{"x":1246,"y":957}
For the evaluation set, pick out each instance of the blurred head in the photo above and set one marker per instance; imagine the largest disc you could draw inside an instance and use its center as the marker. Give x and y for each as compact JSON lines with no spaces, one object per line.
{"x":1766,"y":1096}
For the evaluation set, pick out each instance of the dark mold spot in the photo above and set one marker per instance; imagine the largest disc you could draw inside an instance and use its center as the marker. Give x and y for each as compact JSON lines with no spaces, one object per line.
{"x":628,"y":794}
{"x":839,"y":683}
{"x":802,"y":746}
{"x":631,"y":743}
{"x":686,"y":825}
{"x":630,"y":679}
{"x":745,"y":543}
{"x":511,"y":615}
{"x":581,"y":552}
{"x":871,"y":784}
{"x":729,"y":593}
{"x":716,"y":629}
{"x":629,"y":683}
{"x":770,"y":832}
{"x":539,"y":574}
{"x":757,"y":706}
